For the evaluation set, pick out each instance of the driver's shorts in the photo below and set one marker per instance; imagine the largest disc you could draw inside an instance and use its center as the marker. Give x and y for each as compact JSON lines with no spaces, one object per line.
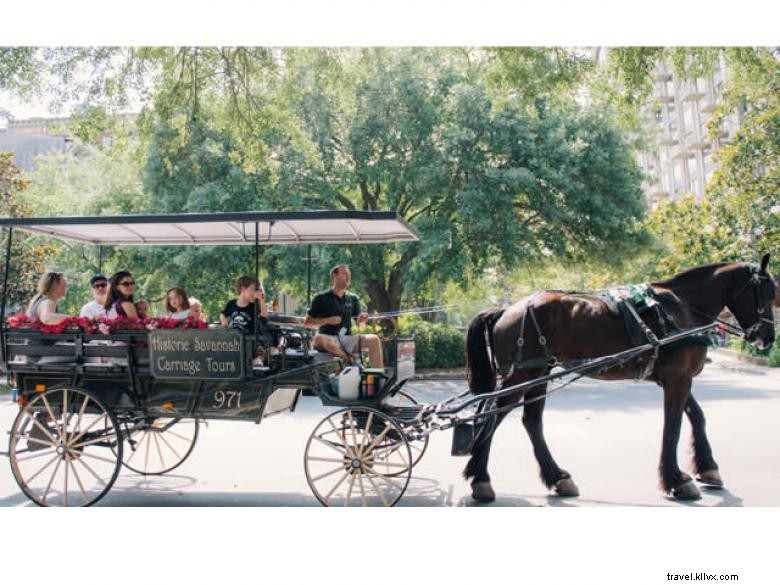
{"x":349,"y":343}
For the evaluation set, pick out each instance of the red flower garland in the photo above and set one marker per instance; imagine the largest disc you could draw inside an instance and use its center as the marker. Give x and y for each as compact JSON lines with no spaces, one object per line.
{"x":105,"y":326}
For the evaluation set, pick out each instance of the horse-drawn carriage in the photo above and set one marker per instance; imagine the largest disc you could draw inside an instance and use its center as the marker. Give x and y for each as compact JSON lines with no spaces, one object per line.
{"x":93,"y":402}
{"x":135,"y":398}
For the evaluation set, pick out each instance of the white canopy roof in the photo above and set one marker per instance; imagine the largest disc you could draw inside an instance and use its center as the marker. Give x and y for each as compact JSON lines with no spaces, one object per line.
{"x":232,"y":228}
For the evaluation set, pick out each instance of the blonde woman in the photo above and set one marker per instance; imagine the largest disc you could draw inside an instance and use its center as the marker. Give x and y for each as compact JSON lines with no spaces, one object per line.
{"x":52,"y":288}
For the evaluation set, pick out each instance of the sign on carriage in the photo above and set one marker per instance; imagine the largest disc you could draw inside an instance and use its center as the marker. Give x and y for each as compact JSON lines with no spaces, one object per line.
{"x":196,"y":354}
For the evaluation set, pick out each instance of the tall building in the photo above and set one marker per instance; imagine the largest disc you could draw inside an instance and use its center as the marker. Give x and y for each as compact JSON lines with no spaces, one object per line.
{"x":35,"y":136}
{"x":680,"y":155}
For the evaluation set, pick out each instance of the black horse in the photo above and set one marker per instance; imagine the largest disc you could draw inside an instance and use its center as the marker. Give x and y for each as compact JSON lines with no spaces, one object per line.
{"x":559,"y":327}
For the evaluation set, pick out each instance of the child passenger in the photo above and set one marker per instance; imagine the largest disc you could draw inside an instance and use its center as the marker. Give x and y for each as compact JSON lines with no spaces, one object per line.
{"x":239,"y":313}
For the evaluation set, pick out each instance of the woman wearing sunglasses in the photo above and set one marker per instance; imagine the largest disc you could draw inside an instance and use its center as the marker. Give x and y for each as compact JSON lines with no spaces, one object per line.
{"x":119,"y":301}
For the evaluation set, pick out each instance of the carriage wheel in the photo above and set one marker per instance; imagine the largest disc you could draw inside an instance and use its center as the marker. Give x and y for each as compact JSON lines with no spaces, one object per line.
{"x":64,"y":449}
{"x":418,"y":446}
{"x":357,"y":456}
{"x":154,"y":446}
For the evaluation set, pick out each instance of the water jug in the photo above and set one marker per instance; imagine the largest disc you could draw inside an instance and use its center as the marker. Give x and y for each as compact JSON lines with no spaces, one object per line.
{"x":349,"y":383}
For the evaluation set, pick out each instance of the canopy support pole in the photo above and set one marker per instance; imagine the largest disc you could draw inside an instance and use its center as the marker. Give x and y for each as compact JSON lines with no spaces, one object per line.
{"x":308,"y":279}
{"x":100,"y":260}
{"x":5,"y":290}
{"x":257,"y":279}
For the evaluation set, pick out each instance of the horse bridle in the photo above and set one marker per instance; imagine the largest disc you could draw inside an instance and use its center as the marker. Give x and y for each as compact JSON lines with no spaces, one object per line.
{"x":765,"y":293}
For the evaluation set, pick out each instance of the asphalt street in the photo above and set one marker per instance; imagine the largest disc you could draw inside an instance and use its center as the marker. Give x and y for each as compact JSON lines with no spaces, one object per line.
{"x":607,"y":435}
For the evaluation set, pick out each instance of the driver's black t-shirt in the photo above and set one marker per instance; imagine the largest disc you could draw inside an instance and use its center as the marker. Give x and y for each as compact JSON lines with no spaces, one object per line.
{"x":242,"y":318}
{"x":328,"y":304}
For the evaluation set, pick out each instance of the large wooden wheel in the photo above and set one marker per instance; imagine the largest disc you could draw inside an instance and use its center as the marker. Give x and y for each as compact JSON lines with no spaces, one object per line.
{"x":154,"y":446}
{"x":418,"y":445}
{"x":64,"y":449}
{"x":357,"y":456}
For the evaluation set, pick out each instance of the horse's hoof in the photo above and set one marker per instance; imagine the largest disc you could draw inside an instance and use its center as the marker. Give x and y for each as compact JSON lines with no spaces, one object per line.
{"x":686,"y":491}
{"x":566,"y":487}
{"x":711,"y":478}
{"x":482,"y":491}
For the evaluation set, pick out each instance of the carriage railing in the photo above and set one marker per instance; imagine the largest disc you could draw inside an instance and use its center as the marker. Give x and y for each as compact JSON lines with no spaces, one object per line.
{"x":23,"y":347}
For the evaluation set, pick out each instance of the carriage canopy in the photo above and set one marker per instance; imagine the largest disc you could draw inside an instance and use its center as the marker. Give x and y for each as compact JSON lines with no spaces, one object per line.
{"x":229,"y":228}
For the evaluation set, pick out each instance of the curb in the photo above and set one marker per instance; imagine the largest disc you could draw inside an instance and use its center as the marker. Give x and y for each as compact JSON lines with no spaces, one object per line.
{"x":751,"y":359}
{"x":440,"y":375}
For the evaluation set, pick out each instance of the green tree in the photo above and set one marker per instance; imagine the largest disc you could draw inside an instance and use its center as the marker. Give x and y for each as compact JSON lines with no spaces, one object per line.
{"x":484,"y":184}
{"x":27,"y":256}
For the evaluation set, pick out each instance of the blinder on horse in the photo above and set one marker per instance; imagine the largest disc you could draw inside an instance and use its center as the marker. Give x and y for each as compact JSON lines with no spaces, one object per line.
{"x":765,"y":294}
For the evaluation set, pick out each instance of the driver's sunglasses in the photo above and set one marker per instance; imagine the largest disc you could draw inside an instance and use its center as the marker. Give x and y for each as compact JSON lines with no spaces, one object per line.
{"x":100,"y":285}
{"x":127,"y":283}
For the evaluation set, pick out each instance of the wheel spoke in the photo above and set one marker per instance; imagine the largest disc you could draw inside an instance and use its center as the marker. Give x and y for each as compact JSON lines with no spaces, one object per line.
{"x":366,"y":433}
{"x":177,"y":435}
{"x":146,"y":452}
{"x":81,"y":415}
{"x":51,"y":479}
{"x":91,"y":456}
{"x":92,"y":471}
{"x":362,"y":490}
{"x":159,"y":452}
{"x":387,"y":480}
{"x":340,"y":449}
{"x":92,"y":424}
{"x":93,"y":441}
{"x":349,"y":489}
{"x":41,"y":454}
{"x":40,"y":442}
{"x":350,"y":452}
{"x":376,"y":488}
{"x":44,"y":429}
{"x":355,"y":448}
{"x":335,"y":487}
{"x":137,"y":447}
{"x":78,"y":479}
{"x":65,"y":488}
{"x":326,"y":460}
{"x":51,"y":413}
{"x":327,"y":473}
{"x":164,"y":440}
{"x":37,"y":473}
{"x":64,"y":433}
{"x":379,"y":437}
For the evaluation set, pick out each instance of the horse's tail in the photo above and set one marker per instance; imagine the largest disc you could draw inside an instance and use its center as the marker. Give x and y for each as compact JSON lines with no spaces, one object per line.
{"x":479,"y":365}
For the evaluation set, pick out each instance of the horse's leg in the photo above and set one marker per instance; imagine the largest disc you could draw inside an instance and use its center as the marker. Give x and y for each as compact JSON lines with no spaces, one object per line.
{"x":676,"y":393}
{"x":476,"y":468}
{"x":552,"y":475}
{"x":703,"y":463}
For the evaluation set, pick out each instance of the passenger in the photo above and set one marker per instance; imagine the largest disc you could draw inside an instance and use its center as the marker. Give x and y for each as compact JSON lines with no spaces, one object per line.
{"x":239,"y":313}
{"x":119,"y":302}
{"x":196,"y":310}
{"x":332,"y":312}
{"x":96,"y":308}
{"x":177,"y":304}
{"x":52,"y":287}
{"x":142,"y":308}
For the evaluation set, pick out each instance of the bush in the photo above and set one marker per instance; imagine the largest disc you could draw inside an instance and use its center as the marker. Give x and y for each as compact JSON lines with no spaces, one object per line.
{"x":436,"y":345}
{"x":772,"y":354}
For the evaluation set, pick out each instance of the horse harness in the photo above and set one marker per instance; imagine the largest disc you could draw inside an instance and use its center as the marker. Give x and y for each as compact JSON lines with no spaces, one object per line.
{"x":632,"y":301}
{"x":629,"y":302}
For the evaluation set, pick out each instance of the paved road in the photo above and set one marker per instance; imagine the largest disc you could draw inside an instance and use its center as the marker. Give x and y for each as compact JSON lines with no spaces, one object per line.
{"x":606,"y":434}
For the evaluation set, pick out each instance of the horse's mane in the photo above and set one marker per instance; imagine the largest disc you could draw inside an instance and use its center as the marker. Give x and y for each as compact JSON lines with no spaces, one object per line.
{"x":691,"y":275}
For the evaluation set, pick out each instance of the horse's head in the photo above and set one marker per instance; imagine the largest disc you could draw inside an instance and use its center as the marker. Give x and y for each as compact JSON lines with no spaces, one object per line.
{"x":751,"y":303}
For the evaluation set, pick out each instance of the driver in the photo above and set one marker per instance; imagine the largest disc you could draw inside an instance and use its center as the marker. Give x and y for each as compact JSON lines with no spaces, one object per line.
{"x":332,"y":312}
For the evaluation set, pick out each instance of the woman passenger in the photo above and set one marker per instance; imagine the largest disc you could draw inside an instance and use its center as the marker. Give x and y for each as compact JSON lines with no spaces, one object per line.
{"x":119,"y":302}
{"x":52,"y":287}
